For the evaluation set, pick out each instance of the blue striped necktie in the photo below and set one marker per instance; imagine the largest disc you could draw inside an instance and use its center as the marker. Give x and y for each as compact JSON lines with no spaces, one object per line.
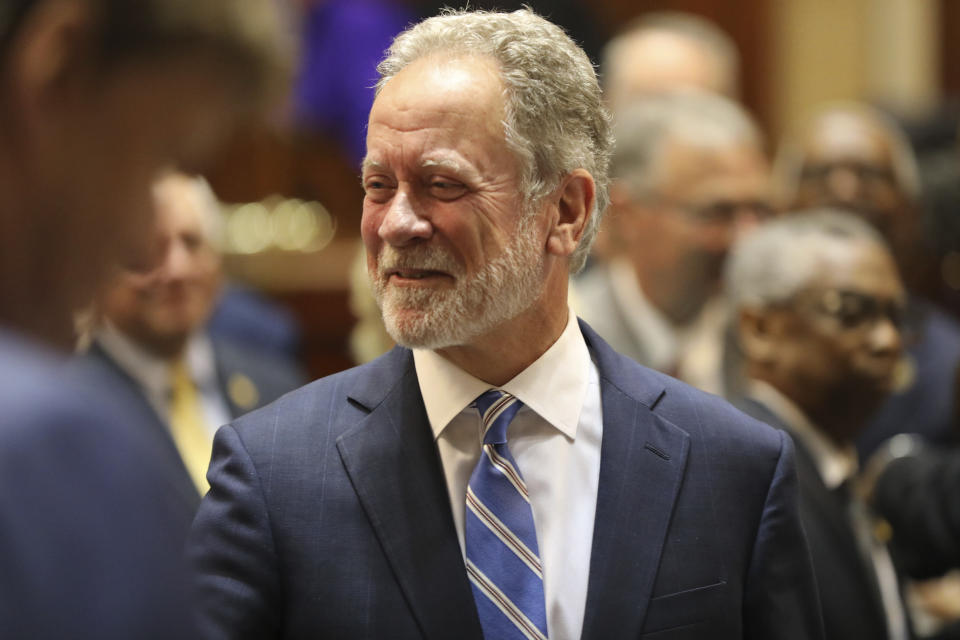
{"x":503,"y":559}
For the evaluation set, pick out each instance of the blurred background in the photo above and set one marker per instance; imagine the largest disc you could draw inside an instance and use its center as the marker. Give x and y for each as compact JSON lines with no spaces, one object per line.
{"x":292,"y":192}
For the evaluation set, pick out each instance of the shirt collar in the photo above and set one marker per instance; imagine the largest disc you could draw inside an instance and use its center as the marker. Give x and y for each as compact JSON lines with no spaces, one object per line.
{"x":152,"y":372}
{"x":835,"y":464}
{"x":648,"y":324}
{"x":554,"y":386}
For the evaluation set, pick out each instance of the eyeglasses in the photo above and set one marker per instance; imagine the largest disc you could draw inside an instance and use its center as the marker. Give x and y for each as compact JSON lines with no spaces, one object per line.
{"x":725,"y":212}
{"x":856,"y":311}
{"x":870,"y":175}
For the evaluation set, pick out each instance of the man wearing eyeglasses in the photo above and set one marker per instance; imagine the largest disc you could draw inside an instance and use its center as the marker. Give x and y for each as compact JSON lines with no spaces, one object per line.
{"x":819,"y":307}
{"x":851,"y":156}
{"x":690,"y":176}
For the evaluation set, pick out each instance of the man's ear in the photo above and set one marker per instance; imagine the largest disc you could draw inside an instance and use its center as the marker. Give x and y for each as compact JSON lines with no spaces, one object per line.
{"x":759,"y":332}
{"x":576,"y":195}
{"x":45,"y":55}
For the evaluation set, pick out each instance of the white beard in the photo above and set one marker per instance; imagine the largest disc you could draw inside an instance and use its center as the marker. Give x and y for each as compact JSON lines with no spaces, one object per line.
{"x":433,"y":319}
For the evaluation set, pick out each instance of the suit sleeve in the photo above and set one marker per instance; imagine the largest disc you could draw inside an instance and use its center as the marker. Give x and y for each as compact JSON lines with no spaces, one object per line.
{"x":780,"y":600}
{"x":232,"y":549}
{"x":920,"y":497}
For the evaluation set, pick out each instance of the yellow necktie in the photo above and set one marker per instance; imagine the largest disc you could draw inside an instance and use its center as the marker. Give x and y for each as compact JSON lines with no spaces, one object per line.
{"x":188,"y":427}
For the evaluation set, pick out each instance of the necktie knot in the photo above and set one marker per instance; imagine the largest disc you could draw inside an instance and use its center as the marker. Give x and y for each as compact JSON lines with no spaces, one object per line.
{"x":497,"y":408}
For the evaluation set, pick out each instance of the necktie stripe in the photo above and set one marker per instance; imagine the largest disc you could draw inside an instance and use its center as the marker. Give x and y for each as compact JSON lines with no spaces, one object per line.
{"x":504,"y":569}
{"x":506,"y":467}
{"x":500,"y":530}
{"x":503,"y":603}
{"x":499,"y":496}
{"x":500,"y":537}
{"x":495,"y":411}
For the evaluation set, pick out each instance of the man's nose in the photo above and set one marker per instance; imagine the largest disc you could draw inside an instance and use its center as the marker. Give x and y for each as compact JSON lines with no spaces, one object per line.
{"x":844,"y":184}
{"x":178,"y":262}
{"x":886,"y":338}
{"x":402,"y":224}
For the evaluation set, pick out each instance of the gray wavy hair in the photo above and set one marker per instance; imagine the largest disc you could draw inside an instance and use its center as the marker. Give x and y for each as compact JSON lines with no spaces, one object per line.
{"x":555,"y":120}
{"x":775,"y":262}
{"x":697,"y":118}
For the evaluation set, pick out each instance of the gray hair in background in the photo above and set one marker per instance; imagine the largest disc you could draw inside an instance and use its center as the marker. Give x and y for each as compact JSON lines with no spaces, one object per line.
{"x":643,"y":127}
{"x":790,"y":158}
{"x":555,"y":120}
{"x":714,"y":41}
{"x":779,"y":259}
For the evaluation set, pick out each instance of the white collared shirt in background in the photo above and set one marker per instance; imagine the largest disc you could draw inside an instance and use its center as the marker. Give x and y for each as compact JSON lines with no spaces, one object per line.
{"x":555,"y":439}
{"x":693,"y":351}
{"x":152,"y":374}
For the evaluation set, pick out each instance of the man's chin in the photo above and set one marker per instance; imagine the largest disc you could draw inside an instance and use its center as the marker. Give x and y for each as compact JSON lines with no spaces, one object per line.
{"x":415,"y":329}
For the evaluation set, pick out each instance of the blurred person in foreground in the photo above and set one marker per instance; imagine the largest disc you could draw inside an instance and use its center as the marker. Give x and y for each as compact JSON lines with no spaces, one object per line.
{"x":97,"y":96}
{"x":853,"y":157}
{"x":819,"y":304}
{"x":391,"y":500}
{"x":668,"y":50}
{"x":151,"y":335}
{"x":689,"y":176}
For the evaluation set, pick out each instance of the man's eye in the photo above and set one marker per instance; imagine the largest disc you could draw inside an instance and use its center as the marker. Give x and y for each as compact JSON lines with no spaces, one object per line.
{"x":373,"y":185}
{"x":377,"y":189}
{"x":447,"y":189}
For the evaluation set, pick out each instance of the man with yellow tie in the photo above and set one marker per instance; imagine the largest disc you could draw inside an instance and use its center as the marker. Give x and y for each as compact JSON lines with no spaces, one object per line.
{"x":150,"y":332}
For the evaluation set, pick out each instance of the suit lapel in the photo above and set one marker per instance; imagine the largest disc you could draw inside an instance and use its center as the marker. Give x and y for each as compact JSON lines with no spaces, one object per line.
{"x":148,"y":420}
{"x":827,"y":509}
{"x":394,"y":466}
{"x":643,"y":458}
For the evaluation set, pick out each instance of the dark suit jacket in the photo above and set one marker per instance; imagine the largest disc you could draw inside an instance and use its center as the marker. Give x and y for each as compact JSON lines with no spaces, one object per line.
{"x":849,"y":594}
{"x":91,"y":524}
{"x":270,"y":376}
{"x":329,"y":517}
{"x":920,"y":496}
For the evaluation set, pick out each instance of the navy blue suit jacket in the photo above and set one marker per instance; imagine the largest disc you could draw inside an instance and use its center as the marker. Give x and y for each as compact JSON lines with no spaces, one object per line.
{"x":329,"y":517}
{"x":92,"y":526}
{"x":268,"y":374}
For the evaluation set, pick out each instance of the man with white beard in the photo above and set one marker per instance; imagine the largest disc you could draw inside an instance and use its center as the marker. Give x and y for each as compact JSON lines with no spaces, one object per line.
{"x":392,"y":500}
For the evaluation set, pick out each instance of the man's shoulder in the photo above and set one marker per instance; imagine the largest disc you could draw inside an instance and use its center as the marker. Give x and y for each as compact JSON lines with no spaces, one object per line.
{"x":673,"y":400}
{"x":39,"y":388}
{"x":77,"y":474}
{"x":271,"y":373}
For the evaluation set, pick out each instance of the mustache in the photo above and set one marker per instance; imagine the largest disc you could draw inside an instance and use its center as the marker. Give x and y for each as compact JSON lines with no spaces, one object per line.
{"x":417,"y":257}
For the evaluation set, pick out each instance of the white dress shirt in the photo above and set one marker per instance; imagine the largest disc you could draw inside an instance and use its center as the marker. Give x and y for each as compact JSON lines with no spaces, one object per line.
{"x":693,"y":351}
{"x":555,"y":439}
{"x":152,"y":374}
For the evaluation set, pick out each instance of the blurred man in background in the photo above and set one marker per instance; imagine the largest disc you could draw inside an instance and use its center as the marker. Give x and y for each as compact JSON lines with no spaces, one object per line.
{"x":662,"y":51}
{"x":151,"y":332}
{"x":690,"y":175}
{"x":852,"y":157}
{"x":819,"y":305}
{"x":96,"y":97}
